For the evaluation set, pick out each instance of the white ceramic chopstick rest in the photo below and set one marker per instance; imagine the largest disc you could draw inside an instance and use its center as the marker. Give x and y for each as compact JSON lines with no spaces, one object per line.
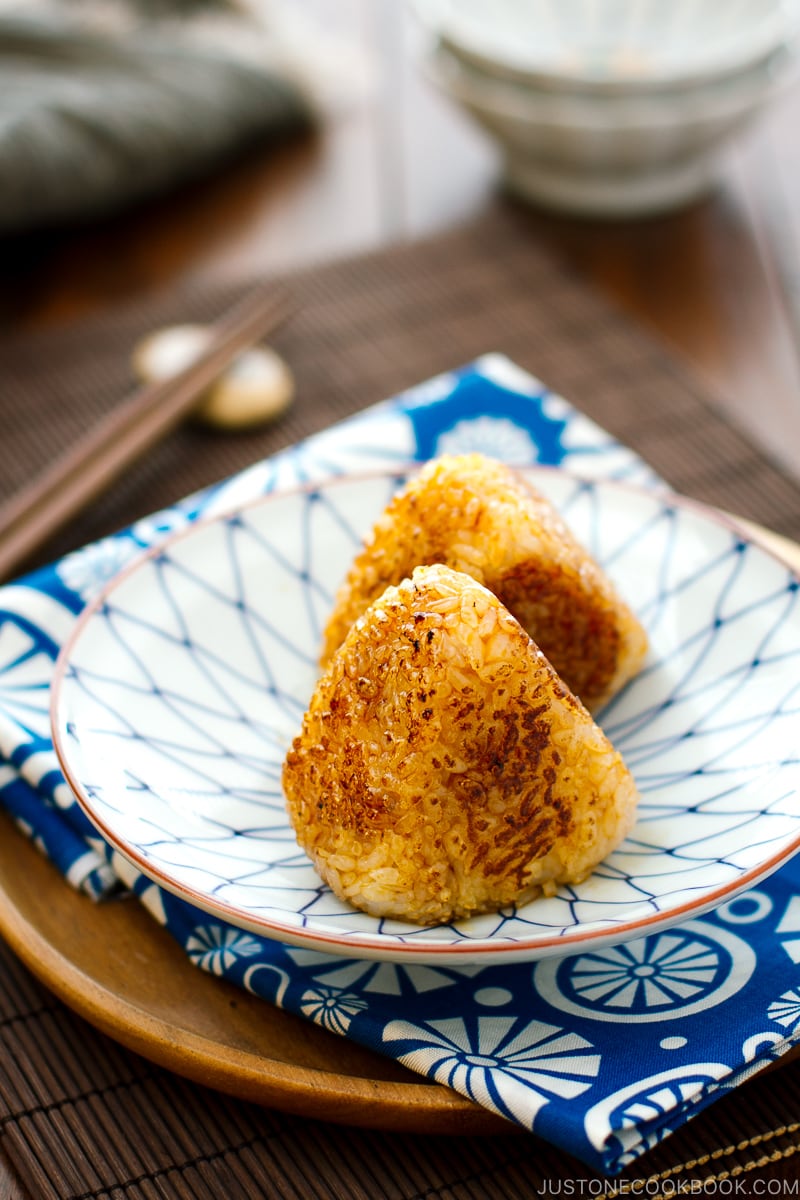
{"x":255,"y":389}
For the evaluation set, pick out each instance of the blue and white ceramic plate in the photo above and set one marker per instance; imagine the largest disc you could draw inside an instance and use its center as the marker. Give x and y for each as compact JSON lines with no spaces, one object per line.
{"x":184,"y":683}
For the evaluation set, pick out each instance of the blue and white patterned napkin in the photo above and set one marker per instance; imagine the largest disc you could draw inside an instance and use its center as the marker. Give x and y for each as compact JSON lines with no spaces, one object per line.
{"x":604,"y":1052}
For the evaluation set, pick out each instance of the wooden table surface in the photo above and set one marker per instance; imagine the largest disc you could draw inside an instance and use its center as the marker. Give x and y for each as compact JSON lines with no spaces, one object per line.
{"x":718,"y":282}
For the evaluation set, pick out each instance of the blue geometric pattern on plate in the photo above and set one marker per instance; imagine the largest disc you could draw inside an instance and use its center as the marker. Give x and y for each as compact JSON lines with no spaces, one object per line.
{"x":180,"y":692}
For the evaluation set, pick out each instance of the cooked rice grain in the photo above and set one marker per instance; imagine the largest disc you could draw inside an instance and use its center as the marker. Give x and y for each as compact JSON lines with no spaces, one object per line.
{"x":481,"y":517}
{"x":443,"y":768}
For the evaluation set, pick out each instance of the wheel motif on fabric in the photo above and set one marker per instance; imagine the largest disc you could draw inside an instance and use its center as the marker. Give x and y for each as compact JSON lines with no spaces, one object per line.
{"x":657,"y":978}
{"x":651,"y":1102}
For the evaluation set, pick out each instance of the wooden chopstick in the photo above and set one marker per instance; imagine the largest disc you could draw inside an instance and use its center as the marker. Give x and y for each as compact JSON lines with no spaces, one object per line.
{"x":79,"y":476}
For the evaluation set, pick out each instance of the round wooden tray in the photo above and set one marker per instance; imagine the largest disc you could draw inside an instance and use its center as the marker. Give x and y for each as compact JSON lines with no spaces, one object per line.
{"x":115,"y":966}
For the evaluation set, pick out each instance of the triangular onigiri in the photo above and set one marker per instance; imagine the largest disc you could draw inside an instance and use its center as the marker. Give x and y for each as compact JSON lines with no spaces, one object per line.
{"x":443,"y":768}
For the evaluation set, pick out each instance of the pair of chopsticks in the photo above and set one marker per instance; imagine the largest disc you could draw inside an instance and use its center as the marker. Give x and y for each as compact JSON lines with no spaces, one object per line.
{"x":77,"y":478}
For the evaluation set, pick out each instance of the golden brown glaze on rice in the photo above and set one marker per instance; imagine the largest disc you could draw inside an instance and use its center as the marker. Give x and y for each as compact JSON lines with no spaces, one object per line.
{"x":443,"y":768}
{"x":480,"y":517}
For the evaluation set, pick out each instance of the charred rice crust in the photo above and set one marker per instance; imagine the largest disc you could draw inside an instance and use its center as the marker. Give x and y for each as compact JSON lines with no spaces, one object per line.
{"x":481,"y":517}
{"x":443,"y":768}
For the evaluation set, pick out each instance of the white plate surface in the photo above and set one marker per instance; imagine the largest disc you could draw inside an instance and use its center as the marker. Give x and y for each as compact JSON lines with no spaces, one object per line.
{"x":177,"y":696}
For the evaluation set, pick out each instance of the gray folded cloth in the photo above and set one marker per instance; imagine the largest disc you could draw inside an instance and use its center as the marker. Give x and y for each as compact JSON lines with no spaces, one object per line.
{"x":92,"y":119}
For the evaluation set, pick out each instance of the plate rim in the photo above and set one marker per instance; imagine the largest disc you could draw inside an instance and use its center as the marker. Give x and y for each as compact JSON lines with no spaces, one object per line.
{"x":372,"y":946}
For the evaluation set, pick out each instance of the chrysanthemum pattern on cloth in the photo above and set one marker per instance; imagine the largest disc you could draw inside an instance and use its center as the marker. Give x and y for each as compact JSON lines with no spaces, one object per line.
{"x":216,"y":948}
{"x":786,"y":1010}
{"x":24,"y":659}
{"x":510,"y":1067}
{"x":331,"y":1009}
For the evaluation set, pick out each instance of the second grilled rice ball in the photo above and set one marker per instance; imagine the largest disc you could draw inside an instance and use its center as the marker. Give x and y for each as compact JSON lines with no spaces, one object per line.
{"x":443,"y":768}
{"x":481,"y":517}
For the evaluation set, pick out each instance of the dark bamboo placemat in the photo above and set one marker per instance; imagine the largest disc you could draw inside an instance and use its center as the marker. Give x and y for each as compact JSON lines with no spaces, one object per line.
{"x":81,"y":1117}
{"x":369,"y":327}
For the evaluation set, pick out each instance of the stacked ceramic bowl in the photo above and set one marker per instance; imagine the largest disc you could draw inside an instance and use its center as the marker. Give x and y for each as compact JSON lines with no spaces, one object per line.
{"x":611,"y":107}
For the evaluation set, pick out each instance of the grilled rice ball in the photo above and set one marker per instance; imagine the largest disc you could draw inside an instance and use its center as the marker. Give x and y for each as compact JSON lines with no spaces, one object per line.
{"x":443,"y":768}
{"x":482,"y":517}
